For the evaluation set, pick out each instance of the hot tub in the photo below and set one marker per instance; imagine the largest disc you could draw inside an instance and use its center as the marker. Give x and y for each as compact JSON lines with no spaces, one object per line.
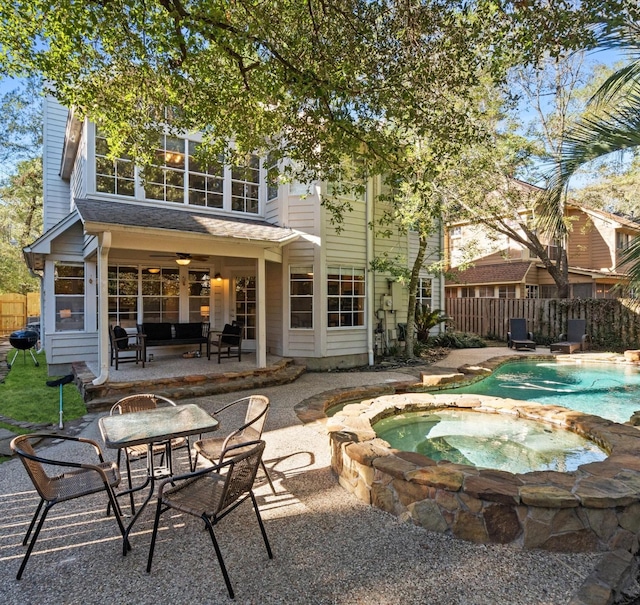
{"x":595,"y":507}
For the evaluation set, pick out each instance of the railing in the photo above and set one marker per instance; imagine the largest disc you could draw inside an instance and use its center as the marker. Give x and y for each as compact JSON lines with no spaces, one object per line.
{"x":610,"y":322}
{"x":16,"y":309}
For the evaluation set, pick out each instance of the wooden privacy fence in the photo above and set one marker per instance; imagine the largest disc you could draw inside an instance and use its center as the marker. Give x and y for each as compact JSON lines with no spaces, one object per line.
{"x":15,"y":309}
{"x":611,"y":323}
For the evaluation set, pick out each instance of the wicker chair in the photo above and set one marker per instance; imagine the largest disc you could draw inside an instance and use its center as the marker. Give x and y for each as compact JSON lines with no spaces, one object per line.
{"x":69,"y":481}
{"x":251,"y":430}
{"x":211,"y":494}
{"x":139,"y":403}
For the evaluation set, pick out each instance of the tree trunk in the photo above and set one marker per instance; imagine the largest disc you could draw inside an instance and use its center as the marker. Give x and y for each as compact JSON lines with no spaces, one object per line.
{"x":411,"y":305}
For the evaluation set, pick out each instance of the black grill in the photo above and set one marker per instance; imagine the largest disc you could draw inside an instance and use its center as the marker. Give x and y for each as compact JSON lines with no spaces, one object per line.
{"x":23,"y":340}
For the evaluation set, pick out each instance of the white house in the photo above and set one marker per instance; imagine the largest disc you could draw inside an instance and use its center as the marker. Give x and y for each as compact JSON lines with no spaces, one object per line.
{"x":192,"y":243}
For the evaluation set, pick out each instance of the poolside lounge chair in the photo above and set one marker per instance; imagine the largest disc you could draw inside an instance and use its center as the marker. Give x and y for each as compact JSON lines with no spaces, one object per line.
{"x":575,"y":338}
{"x":518,"y":337}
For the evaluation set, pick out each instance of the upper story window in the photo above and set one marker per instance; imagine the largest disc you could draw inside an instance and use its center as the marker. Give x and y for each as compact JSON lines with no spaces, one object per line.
{"x":177,"y":175}
{"x":206,"y":183}
{"x":113,"y":176}
{"x":245,"y":181}
{"x":164,"y":180}
{"x":622,"y":240}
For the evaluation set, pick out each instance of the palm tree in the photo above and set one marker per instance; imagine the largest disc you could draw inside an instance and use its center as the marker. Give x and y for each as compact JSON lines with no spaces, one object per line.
{"x":612,"y":124}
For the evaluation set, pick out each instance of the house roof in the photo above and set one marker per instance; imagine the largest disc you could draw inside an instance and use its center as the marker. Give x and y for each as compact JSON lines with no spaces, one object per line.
{"x":97,"y":214}
{"x":504,"y":273}
{"x":100,"y":215}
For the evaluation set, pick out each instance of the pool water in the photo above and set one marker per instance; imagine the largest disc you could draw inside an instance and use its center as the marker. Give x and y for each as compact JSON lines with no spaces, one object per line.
{"x":608,"y":390}
{"x":491,"y":441}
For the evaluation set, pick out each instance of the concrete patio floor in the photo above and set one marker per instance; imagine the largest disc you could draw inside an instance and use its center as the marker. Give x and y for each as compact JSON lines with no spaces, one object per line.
{"x":329,"y":548}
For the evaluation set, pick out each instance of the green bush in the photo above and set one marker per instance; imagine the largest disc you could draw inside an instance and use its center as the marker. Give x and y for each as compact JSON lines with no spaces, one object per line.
{"x":426,"y":319}
{"x":458,"y":340}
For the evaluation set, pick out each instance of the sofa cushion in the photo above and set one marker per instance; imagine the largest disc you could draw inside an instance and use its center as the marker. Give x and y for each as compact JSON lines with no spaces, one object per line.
{"x":157,"y":331}
{"x":190,"y":330}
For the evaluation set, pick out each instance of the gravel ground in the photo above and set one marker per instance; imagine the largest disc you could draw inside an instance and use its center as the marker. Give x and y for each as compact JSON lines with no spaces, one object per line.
{"x":329,"y":548}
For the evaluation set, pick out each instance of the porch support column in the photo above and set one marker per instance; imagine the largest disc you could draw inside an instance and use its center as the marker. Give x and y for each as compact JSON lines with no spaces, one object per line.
{"x":104,"y":245}
{"x":261,"y":312}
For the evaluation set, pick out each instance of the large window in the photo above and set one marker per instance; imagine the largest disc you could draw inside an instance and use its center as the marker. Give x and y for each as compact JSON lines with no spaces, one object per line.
{"x":206,"y":183}
{"x":246,"y":305}
{"x":177,"y":175}
{"x":301,"y":297}
{"x":346,"y":290}
{"x":161,"y":296}
{"x":113,"y":176}
{"x":164,"y":180}
{"x":245,"y":181}
{"x":123,"y":296}
{"x":69,"y":297}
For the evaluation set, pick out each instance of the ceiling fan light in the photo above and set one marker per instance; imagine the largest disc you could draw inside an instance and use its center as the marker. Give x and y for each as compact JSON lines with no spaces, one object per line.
{"x":153,"y":270}
{"x":183,"y":261}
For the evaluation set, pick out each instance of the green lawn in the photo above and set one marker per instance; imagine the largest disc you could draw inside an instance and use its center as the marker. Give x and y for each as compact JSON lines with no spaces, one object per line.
{"x":24,"y":395}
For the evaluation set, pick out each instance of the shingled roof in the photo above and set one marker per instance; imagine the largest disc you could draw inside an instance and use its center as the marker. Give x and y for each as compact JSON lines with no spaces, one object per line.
{"x":503,"y":273}
{"x":139,"y":215}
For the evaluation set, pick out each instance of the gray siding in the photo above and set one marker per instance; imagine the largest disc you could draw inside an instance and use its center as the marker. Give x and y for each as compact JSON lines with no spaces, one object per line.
{"x":79,"y":173}
{"x":57,"y":195}
{"x":274,"y":272}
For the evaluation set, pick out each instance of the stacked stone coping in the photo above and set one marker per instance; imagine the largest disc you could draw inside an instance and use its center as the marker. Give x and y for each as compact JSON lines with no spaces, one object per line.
{"x":595,"y":508}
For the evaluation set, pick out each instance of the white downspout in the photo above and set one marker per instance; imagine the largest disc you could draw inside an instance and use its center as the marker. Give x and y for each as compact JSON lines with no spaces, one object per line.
{"x":104,"y":245}
{"x":368,"y":197}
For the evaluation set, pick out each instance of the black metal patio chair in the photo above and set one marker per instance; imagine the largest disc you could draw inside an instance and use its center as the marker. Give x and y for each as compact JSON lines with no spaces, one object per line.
{"x":211,"y":494}
{"x":58,"y":480}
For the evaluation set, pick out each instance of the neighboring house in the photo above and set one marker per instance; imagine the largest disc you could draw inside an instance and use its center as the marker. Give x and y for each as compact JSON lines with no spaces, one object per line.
{"x":502,"y":268}
{"x":197,"y":244}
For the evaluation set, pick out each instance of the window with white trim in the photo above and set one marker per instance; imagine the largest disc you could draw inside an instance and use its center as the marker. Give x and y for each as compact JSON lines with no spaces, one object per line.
{"x":301,"y":297}
{"x":206,"y":183}
{"x":177,"y":175}
{"x":161,"y":295}
{"x":346,"y":295}
{"x":424,"y":295}
{"x":505,"y":291}
{"x":123,"y":296}
{"x":531,"y":290}
{"x":199,"y":283}
{"x":69,"y":296}
{"x":246,"y":308}
{"x":245,"y":182}
{"x":164,"y":180}
{"x":113,"y":176}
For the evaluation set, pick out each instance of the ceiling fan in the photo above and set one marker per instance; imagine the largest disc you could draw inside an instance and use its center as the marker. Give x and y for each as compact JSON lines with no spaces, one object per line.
{"x":182,"y":258}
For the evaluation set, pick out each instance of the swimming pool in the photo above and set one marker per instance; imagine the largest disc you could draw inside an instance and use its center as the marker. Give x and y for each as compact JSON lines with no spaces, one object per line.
{"x":611,"y":391}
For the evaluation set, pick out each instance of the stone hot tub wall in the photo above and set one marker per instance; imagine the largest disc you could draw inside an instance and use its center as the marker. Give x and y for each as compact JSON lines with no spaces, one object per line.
{"x":595,"y":508}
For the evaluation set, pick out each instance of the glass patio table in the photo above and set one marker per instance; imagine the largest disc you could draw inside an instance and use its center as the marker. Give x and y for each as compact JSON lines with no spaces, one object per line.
{"x":150,"y":427}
